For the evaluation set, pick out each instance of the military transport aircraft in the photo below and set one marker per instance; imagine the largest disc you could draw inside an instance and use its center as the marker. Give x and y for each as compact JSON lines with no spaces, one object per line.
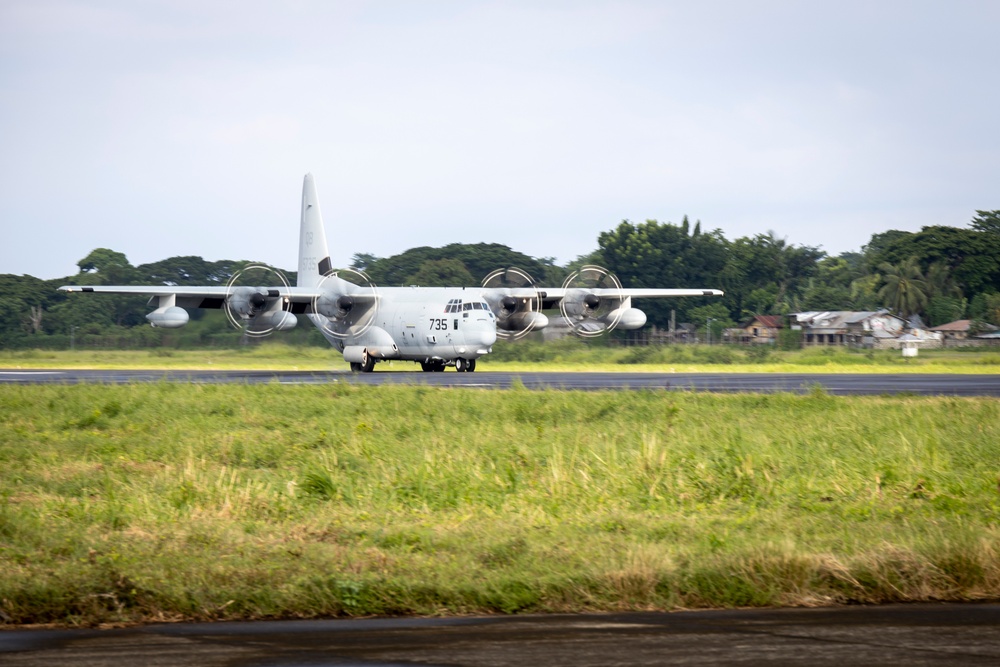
{"x":435,"y":326}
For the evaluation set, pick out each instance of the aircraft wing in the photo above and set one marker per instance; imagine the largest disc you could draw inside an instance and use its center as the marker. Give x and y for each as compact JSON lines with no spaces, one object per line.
{"x":552,"y":296}
{"x":199,"y":296}
{"x":635,"y":293}
{"x":182,"y":291}
{"x":299,"y":300}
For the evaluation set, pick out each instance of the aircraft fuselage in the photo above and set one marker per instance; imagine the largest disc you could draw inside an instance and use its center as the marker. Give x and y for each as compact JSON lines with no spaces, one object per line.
{"x":431,"y":325}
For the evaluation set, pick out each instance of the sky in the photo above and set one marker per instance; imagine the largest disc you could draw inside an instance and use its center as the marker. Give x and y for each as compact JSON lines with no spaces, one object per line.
{"x":164,"y":128}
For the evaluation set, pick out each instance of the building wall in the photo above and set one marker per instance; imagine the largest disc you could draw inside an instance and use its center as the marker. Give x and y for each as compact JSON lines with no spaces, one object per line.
{"x":896,"y":344}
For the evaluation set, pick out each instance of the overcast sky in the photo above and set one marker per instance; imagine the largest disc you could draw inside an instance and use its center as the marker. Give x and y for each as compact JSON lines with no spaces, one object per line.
{"x":164,"y":128}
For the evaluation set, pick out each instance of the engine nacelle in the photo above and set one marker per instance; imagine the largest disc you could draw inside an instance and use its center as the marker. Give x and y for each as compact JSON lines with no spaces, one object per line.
{"x":580,"y":303}
{"x":280,"y":320}
{"x":245,"y":302}
{"x":171,"y":317}
{"x":333,"y":305}
{"x":357,"y":354}
{"x":523,"y":321}
{"x":627,"y":318}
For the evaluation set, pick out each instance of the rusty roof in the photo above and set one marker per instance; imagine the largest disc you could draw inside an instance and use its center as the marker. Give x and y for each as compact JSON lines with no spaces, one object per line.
{"x":957,"y":325}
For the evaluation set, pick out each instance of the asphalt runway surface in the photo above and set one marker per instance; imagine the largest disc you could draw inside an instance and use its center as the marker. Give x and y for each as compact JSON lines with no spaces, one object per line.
{"x":920,"y":634}
{"x":838,"y":384}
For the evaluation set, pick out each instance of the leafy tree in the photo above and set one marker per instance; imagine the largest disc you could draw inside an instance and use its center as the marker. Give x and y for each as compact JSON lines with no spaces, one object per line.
{"x":111,"y":267}
{"x":972,"y":257}
{"x":442,"y":273}
{"x":832,"y":287}
{"x":108,"y":267}
{"x":880,"y":247}
{"x":479,"y":260}
{"x":905,"y":290}
{"x":940,"y":281}
{"x":945,"y":309}
{"x":987,"y":221}
{"x":187,"y":270}
{"x":362,"y":260}
{"x":864,"y":292}
{"x":11,"y":317}
{"x":986,"y":307}
{"x":654,"y":254}
{"x":714,"y":316}
{"x":766,"y":261}
{"x":821,"y":296}
{"x":763,"y":301}
{"x":25,"y":299}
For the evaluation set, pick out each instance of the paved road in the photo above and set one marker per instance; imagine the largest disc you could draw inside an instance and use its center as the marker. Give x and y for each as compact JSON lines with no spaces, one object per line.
{"x":946,"y":634}
{"x":841,"y":384}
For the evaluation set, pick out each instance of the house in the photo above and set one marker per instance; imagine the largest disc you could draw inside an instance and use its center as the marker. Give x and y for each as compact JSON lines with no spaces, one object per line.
{"x":870,"y":329}
{"x":957,"y":330}
{"x":990,"y":338}
{"x":761,"y":329}
{"x":960,"y":333}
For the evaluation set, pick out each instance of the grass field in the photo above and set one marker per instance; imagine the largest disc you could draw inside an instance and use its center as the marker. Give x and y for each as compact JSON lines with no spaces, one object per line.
{"x":564,"y":355}
{"x":168,"y":502}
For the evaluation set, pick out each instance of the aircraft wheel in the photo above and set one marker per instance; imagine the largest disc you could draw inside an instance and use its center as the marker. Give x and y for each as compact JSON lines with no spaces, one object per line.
{"x":367,"y":363}
{"x":461,"y":365}
{"x":355,"y":367}
{"x":472,"y":366}
{"x":439,"y":366}
{"x":426,"y":366}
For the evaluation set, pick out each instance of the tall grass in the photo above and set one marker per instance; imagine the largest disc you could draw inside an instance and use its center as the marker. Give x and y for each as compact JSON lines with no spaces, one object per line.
{"x":158,"y":502}
{"x":566,"y":354}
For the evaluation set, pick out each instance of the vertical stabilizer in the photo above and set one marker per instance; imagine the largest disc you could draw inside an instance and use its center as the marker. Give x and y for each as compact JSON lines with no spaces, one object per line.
{"x":314,"y":258}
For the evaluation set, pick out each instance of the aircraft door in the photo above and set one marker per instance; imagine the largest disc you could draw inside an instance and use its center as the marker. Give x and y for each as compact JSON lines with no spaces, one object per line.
{"x":407,"y":326}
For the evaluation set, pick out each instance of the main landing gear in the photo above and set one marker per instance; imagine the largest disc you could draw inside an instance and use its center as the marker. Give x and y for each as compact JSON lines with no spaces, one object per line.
{"x":437,"y":365}
{"x":433,"y":366}
{"x":367,"y":364}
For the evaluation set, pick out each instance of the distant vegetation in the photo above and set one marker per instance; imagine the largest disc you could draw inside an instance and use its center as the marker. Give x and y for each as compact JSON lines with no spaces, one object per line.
{"x":167,"y":502}
{"x":941,"y":273}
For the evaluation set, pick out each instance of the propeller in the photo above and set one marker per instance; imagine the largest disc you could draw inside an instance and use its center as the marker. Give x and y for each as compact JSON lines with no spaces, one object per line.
{"x":254,"y":309}
{"x":349,"y":302}
{"x":515,"y":301}
{"x":588,"y":313}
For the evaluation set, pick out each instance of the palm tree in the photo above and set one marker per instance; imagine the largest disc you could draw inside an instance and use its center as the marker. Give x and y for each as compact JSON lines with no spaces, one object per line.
{"x":905,"y":290}
{"x":940,"y":282}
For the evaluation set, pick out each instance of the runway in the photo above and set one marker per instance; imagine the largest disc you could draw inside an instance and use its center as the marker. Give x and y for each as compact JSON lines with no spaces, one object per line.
{"x":917,"y":634}
{"x":923,"y":384}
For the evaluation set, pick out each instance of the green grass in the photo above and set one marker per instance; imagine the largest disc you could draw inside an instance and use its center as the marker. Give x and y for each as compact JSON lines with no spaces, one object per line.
{"x":168,"y":502}
{"x":522,"y":356}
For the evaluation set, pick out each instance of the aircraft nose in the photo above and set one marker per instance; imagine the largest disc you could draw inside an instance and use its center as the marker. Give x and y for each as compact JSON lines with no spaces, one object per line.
{"x":482,"y":337}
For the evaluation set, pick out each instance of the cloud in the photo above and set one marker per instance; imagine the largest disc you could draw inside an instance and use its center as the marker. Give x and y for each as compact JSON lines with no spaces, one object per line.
{"x":167,"y":128}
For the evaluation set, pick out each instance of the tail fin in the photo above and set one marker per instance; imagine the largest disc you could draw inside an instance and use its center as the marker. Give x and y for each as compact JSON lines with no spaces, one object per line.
{"x":314,"y":258}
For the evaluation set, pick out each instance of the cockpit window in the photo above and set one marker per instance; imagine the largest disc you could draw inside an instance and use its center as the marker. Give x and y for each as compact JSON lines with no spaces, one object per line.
{"x":457,"y":306}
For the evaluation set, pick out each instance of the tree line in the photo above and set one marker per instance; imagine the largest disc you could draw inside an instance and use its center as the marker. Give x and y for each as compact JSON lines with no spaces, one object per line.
{"x":940,"y":273}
